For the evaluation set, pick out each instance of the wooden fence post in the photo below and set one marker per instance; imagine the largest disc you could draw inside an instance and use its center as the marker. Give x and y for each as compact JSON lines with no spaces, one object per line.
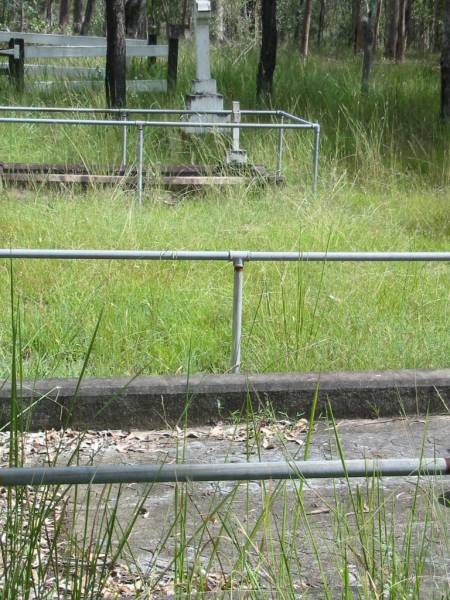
{"x":175,"y":32}
{"x":152,"y":40}
{"x":17,"y":65}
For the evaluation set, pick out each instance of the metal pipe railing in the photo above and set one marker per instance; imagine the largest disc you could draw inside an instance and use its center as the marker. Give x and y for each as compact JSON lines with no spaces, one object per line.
{"x":140,"y":165}
{"x":237,"y":257}
{"x":280,"y":150}
{"x":142,"y":111}
{"x":122,"y":120}
{"x":316,"y":157}
{"x":141,"y":123}
{"x":238,"y":296}
{"x":249,"y":471}
{"x":123,"y":162}
{"x":225,"y":255}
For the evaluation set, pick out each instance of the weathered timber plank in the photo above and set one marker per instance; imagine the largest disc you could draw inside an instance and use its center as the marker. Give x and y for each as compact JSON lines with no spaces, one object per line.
{"x":55,"y":39}
{"x":104,"y":179}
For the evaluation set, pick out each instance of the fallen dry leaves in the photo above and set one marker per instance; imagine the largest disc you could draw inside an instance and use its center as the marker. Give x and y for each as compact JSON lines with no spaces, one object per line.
{"x":48,"y":446}
{"x":52,"y":447}
{"x":271,"y":434}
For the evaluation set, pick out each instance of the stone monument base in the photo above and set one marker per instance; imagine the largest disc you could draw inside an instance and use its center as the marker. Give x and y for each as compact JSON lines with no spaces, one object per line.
{"x":204,"y":97}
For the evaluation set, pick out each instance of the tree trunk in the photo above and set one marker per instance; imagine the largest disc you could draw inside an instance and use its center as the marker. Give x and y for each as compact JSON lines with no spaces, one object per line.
{"x":321,"y":25}
{"x":257,"y":22}
{"x":22,"y":16}
{"x":368,"y":22}
{"x":268,"y":56}
{"x":63,"y":12}
{"x":437,"y":26}
{"x":220,"y":21}
{"x":88,"y":17}
{"x":77,"y":15}
{"x":445,"y":64}
{"x":134,"y":15}
{"x":356,"y":25}
{"x":392,"y":20}
{"x":115,"y":80}
{"x":376,"y":25}
{"x":185,"y":13}
{"x":408,"y":20}
{"x":304,"y":42}
{"x":48,"y":12}
{"x":401,"y":36}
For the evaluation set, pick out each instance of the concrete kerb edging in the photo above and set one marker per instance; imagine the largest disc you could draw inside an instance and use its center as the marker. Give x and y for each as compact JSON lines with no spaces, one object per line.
{"x":151,"y":402}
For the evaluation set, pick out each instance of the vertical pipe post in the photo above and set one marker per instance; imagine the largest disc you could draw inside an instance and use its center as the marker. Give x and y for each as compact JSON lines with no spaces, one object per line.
{"x":316,"y":156}
{"x":123,"y":165}
{"x":238,"y":289}
{"x":236,"y":118}
{"x":140,"y":164}
{"x":280,"y":149}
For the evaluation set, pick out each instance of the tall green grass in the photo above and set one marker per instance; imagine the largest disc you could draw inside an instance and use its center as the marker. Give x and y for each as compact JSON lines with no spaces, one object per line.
{"x":308,"y":316}
{"x":392,"y":137}
{"x":384,"y":185}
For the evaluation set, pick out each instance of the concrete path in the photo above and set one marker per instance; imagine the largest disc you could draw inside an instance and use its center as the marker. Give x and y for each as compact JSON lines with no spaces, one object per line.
{"x":283,"y":530}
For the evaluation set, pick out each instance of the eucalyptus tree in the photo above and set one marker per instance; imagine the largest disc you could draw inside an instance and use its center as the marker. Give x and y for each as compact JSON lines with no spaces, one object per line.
{"x":368,"y":34}
{"x":268,"y":53}
{"x":63,"y":12}
{"x":77,"y":15}
{"x":115,"y":75}
{"x":90,"y":6}
{"x":304,"y":42}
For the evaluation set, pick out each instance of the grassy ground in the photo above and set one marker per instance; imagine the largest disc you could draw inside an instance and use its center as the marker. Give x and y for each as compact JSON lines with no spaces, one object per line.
{"x":385,"y":177}
{"x":385,"y":174}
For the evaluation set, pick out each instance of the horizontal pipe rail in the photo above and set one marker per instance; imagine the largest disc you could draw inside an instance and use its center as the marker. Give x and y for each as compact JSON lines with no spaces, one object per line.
{"x":139,"y":123}
{"x":156,"y":111}
{"x":162,"y":473}
{"x":223,"y":255}
{"x":237,"y":257}
{"x":294,"y":123}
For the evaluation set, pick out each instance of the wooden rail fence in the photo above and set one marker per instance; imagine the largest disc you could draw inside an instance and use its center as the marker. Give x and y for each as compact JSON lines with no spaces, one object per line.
{"x":23,"y":46}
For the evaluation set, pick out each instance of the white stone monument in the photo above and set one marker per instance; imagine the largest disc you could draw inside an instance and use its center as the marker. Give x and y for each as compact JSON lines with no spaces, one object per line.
{"x":204,"y":94}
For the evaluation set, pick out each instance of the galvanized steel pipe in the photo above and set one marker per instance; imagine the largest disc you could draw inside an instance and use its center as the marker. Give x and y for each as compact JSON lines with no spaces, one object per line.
{"x":143,"y":111}
{"x":140,"y":164}
{"x":223,"y":255}
{"x":124,"y":141}
{"x":316,"y":157}
{"x":238,"y":257}
{"x":295,"y":118}
{"x":280,"y":149}
{"x":296,"y":123}
{"x":250,"y":471}
{"x":238,"y":292}
{"x":137,"y":123}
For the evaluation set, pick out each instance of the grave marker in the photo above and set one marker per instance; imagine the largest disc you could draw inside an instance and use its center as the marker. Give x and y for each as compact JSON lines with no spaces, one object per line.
{"x":204,"y":95}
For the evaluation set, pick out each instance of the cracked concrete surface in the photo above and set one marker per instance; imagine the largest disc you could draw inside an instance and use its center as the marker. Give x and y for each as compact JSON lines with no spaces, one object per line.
{"x":231,"y":511}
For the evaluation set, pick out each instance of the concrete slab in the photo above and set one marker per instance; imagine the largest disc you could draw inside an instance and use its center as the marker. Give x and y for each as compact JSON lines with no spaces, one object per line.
{"x":150,"y":402}
{"x":267,"y":532}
